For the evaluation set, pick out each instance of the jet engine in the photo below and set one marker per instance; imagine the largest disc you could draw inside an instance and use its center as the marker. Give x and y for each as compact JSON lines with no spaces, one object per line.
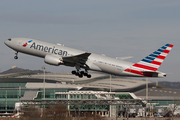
{"x":53,"y":60}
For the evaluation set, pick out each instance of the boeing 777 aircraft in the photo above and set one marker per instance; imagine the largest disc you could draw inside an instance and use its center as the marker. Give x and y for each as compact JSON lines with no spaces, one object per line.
{"x":56,"y":54}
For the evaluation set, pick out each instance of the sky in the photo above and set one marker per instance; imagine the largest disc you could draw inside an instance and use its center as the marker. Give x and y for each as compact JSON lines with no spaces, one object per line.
{"x":116,"y":28}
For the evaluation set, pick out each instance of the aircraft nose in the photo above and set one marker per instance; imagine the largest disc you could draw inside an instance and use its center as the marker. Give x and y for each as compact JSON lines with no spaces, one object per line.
{"x":7,"y":41}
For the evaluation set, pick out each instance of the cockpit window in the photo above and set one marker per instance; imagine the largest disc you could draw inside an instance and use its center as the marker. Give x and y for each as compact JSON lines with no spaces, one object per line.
{"x":9,"y":39}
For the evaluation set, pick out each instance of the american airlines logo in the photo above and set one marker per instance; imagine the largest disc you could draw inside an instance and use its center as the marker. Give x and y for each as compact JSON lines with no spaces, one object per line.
{"x":24,"y":45}
{"x":52,"y":50}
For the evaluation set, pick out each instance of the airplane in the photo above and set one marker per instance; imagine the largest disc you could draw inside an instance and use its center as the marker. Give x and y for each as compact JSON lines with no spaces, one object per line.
{"x":57,"y":54}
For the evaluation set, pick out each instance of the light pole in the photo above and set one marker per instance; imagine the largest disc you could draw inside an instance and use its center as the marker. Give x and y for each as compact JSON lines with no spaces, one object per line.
{"x":110,"y":96}
{"x":43,"y":68}
{"x":20,"y":92}
{"x":146,"y":88}
{"x":19,"y":98}
{"x":146,"y":94}
{"x":110,"y":82}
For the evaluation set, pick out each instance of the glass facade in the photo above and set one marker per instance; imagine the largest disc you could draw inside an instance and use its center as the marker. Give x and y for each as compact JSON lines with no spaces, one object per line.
{"x":124,"y":96}
{"x":10,"y":93}
{"x":164,"y":102}
{"x":12,"y":85}
{"x":8,"y":97}
{"x":91,"y":95}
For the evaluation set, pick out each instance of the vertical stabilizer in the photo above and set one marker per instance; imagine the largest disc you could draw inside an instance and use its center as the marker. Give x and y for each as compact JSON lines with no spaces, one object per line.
{"x":151,"y":62}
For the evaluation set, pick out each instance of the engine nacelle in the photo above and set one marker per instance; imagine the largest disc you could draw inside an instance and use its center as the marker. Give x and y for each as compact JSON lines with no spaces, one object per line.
{"x":53,"y":60}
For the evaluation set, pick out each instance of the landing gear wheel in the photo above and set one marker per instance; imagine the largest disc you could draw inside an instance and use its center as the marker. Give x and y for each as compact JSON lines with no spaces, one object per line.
{"x":15,"y":57}
{"x":80,"y":75}
{"x":77,"y":74}
{"x":82,"y":72}
{"x":88,"y":76}
{"x":73,"y":72}
{"x":85,"y":74}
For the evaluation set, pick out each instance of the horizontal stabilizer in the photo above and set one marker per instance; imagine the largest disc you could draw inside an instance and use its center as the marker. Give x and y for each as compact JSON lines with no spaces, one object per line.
{"x":124,"y":58}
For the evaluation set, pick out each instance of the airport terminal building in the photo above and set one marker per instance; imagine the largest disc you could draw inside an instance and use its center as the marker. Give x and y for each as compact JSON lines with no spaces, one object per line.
{"x":64,"y":86}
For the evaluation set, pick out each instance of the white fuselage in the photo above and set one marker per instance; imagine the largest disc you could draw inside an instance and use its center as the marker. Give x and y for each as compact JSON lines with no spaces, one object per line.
{"x":94,"y":62}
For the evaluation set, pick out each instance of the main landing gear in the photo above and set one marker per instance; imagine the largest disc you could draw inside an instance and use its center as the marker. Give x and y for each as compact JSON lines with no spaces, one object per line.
{"x":16,"y":57}
{"x":81,"y":74}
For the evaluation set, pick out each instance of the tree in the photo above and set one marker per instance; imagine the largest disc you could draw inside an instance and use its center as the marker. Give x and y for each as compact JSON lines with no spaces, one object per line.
{"x":56,"y":112}
{"x":53,"y":112}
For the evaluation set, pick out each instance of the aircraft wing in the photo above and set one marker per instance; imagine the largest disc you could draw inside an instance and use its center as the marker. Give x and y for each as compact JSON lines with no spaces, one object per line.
{"x":77,"y":59}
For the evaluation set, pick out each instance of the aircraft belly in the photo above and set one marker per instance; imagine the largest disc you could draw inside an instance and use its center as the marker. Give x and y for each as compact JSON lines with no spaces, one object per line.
{"x":110,"y":69}
{"x":94,"y":67}
{"x":108,"y":65}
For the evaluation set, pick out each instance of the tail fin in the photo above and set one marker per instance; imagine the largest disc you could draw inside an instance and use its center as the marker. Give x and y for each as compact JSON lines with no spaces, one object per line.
{"x":154,"y":60}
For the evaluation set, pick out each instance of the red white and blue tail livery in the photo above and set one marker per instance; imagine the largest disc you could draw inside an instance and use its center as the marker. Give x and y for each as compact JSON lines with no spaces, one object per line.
{"x":151,"y":63}
{"x":56,"y":54}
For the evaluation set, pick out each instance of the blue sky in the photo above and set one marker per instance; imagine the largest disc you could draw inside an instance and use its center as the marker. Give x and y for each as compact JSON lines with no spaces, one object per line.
{"x":116,"y":28}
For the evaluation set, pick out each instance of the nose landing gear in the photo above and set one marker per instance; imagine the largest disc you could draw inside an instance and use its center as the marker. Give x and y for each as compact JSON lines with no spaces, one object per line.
{"x":16,"y":57}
